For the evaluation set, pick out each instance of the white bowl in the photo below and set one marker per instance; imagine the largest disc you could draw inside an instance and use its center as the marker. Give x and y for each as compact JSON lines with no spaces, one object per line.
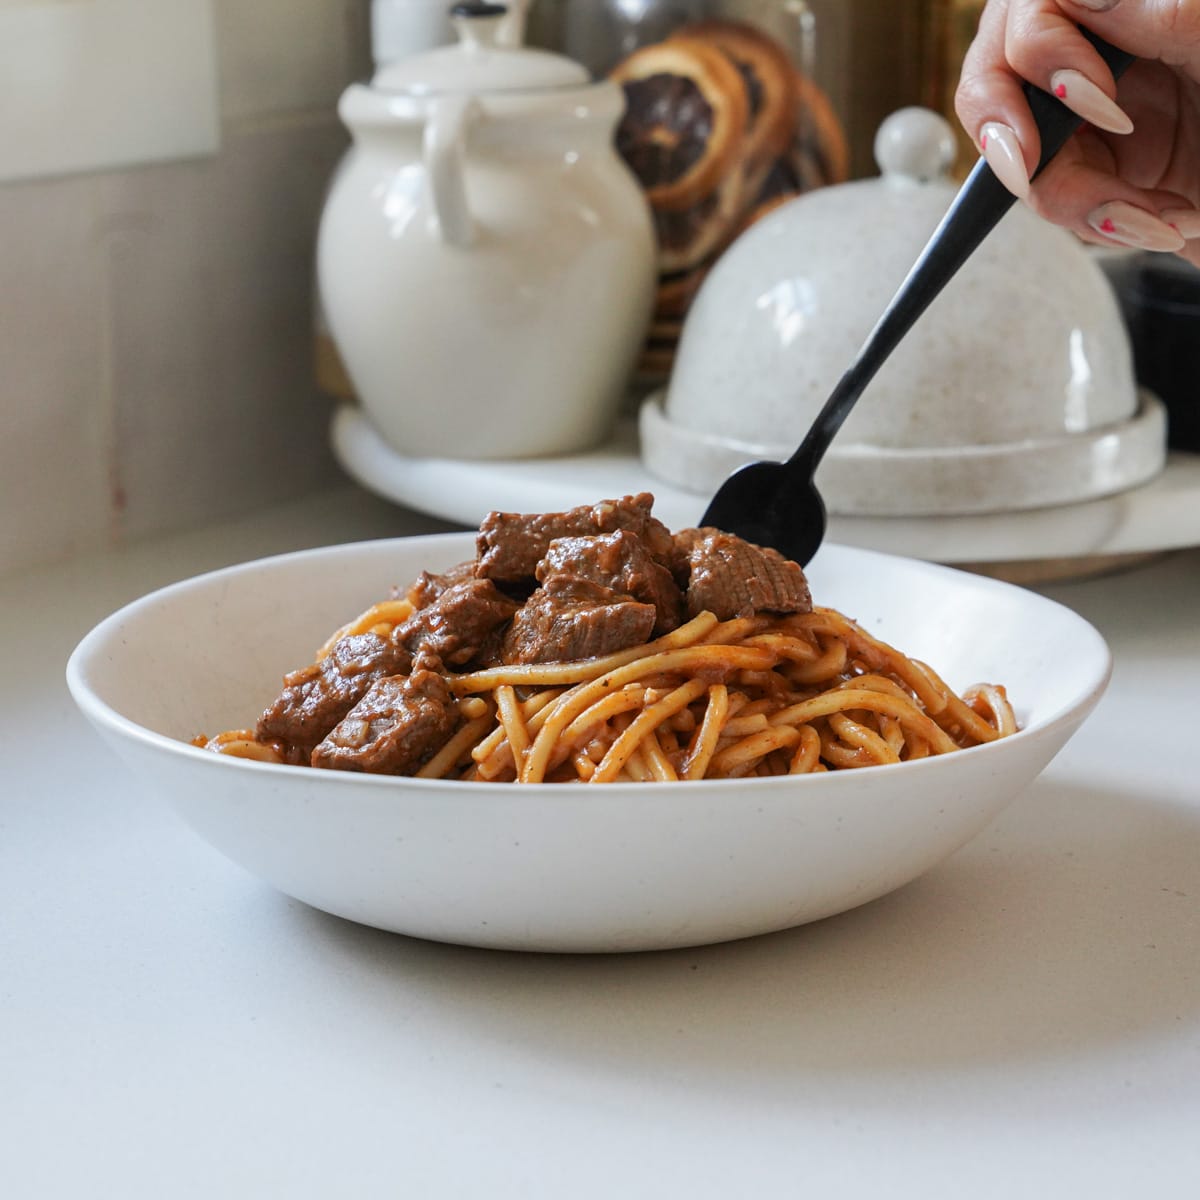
{"x":568,"y":867}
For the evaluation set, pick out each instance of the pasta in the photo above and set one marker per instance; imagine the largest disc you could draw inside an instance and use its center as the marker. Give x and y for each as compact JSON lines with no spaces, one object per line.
{"x":748,"y":696}
{"x":594,"y":646}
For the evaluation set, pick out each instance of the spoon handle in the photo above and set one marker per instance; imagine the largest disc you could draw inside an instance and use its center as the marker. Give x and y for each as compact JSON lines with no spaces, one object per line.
{"x":975,"y":212}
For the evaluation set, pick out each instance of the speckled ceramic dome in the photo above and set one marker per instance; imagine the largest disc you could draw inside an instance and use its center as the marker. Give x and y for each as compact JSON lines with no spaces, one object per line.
{"x":1015,"y":390}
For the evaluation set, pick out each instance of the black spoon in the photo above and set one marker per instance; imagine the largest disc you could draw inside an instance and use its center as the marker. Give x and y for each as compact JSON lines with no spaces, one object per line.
{"x":777,"y":504}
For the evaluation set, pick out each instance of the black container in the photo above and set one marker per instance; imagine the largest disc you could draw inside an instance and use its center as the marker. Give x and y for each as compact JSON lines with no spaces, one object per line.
{"x":1160,"y":300}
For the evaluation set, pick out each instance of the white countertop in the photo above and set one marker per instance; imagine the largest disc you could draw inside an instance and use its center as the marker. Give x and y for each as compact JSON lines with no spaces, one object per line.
{"x":1022,"y":1021}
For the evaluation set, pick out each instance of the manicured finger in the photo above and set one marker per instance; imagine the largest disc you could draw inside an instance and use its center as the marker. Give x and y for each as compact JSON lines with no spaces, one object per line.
{"x":1079,"y":191}
{"x":992,"y":107}
{"x":1185,"y":219}
{"x":1045,"y":46}
{"x":1168,"y":30}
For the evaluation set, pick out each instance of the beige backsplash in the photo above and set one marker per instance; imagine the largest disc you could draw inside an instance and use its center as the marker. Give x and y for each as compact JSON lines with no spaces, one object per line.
{"x":156,"y":322}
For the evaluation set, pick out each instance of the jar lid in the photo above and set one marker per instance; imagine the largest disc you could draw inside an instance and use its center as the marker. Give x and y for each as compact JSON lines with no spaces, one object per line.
{"x":1015,"y":390}
{"x":481,"y":61}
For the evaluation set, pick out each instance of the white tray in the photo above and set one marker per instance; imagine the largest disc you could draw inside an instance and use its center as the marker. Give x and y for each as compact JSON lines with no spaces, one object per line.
{"x":1159,"y":516}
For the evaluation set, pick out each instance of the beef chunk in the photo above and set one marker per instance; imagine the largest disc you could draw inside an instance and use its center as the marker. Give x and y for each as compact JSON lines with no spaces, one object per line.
{"x":510,"y":545}
{"x":567,"y":619}
{"x":427,"y":587}
{"x":457,"y":624}
{"x":619,"y":561}
{"x":491,"y":652}
{"x":394,"y":728}
{"x":732,"y":578}
{"x":316,"y":698}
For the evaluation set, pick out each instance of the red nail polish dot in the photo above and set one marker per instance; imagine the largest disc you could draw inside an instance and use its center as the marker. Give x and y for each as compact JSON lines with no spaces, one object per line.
{"x":1106,"y":226}
{"x":1061,"y":91}
{"x":983,"y":142}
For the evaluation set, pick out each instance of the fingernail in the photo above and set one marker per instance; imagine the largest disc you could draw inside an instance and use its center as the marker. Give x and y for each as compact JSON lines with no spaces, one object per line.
{"x":1003,"y":153}
{"x":1185,"y":220}
{"x":1086,"y":100}
{"x":1132,"y":226}
{"x":1098,"y":5}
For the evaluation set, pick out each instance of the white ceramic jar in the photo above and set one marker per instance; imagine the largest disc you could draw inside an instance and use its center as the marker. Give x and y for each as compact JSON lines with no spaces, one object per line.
{"x":486,"y":262}
{"x":1014,"y":391}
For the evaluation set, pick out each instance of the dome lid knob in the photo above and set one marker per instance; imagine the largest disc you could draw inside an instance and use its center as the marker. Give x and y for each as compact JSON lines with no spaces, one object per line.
{"x":915,"y":143}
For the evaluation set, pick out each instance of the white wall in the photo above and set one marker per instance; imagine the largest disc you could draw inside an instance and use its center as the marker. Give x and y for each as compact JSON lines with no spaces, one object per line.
{"x":155,"y":321}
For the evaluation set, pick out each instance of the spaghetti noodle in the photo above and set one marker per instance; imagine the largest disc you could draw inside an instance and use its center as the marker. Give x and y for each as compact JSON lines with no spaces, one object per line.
{"x":747,"y":696}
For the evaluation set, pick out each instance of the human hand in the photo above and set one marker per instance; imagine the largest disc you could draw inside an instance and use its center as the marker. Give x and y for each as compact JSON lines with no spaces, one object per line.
{"x":1131,"y":175}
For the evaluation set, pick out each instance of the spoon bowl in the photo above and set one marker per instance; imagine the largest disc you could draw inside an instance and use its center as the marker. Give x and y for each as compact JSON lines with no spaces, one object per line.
{"x":746,"y":505}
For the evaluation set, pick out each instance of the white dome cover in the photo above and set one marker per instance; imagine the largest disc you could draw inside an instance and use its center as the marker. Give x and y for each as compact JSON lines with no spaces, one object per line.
{"x":1014,"y":390}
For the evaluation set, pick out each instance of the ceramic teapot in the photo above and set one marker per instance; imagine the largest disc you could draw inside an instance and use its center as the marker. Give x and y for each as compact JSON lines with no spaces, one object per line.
{"x":486,"y":261}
